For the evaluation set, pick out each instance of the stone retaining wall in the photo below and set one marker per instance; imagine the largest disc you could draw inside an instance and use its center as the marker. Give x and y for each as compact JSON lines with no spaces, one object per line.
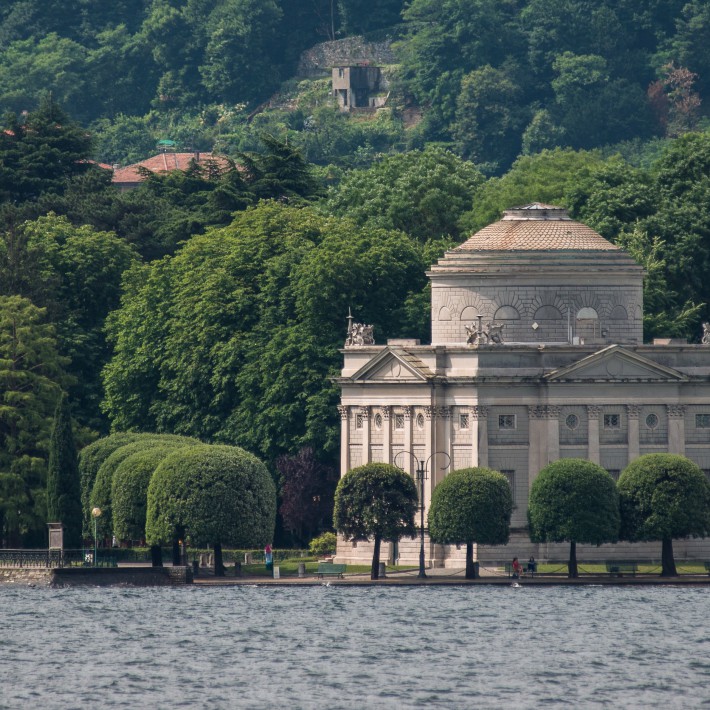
{"x":319,"y":60}
{"x":27,"y":576}
{"x":101,"y":577}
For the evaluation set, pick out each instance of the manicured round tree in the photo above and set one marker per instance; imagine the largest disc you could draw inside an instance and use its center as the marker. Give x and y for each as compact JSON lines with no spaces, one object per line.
{"x":573,"y":500}
{"x":90,"y":459}
{"x":471,"y":505}
{"x":129,"y":490}
{"x":101,"y":492}
{"x":377,"y":501}
{"x":662,"y":497}
{"x":219,"y":495}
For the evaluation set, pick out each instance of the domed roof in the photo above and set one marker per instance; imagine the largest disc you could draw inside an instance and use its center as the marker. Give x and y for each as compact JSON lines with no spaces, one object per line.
{"x":536,"y":227}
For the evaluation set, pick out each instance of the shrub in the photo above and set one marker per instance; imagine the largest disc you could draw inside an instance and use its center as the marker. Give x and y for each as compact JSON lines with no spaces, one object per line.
{"x":324,"y":544}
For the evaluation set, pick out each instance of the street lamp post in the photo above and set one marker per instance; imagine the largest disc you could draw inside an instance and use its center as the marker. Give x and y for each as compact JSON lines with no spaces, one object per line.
{"x":421,"y":476}
{"x":96,"y":514}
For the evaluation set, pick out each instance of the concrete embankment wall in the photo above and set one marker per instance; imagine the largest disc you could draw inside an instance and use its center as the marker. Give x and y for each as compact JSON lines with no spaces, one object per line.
{"x":82,"y":576}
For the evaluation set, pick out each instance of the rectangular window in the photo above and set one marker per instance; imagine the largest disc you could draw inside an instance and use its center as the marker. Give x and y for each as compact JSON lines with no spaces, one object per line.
{"x":399,"y":421}
{"x":702,"y":421}
{"x":506,"y":421}
{"x":612,"y":421}
{"x":614,"y":473}
{"x":463,"y":421}
{"x":358,"y":421}
{"x":509,"y":473}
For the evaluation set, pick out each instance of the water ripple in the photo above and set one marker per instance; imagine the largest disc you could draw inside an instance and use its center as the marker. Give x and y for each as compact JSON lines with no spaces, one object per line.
{"x":335,"y":647}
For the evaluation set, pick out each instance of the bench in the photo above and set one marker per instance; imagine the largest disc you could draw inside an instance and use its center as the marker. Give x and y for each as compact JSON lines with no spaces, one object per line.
{"x":619,"y":569}
{"x":707,"y":568}
{"x":328,"y":569}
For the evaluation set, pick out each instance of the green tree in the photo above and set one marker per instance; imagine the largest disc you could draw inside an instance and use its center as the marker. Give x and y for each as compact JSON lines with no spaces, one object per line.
{"x":129,"y":490}
{"x":91,"y":458}
{"x":40,"y":153}
{"x":664,"y":497}
{"x":256,"y":322}
{"x":573,"y":500}
{"x":32,"y":377}
{"x":471,"y":505}
{"x":423,"y":193}
{"x":375,"y":501}
{"x":63,"y":485}
{"x":103,"y":485}
{"x":218,"y":495}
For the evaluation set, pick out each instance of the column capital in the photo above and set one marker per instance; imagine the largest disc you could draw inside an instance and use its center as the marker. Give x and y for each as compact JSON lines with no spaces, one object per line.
{"x":478,"y":411}
{"x":430,"y":413}
{"x":407,"y":411}
{"x":343,"y":411}
{"x":594,"y":411}
{"x":365,"y":411}
{"x":543,"y":412}
{"x":633,"y":411}
{"x":676,"y":411}
{"x":442,"y":412}
{"x":386,"y":411}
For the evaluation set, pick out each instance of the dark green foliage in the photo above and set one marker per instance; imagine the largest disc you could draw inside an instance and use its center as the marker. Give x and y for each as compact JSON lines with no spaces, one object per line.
{"x":471,"y":505}
{"x":257,"y":317}
{"x":91,"y":458}
{"x":129,"y":490}
{"x":664,"y":497}
{"x":32,"y":376}
{"x":63,"y":485}
{"x":219,"y":495}
{"x":423,"y":193}
{"x":324,"y":544}
{"x":573,"y":500}
{"x":376,"y":501}
{"x":101,"y":492}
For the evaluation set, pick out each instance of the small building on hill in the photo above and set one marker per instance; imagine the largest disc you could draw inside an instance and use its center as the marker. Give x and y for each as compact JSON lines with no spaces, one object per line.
{"x":133,"y":175}
{"x":358,"y":86}
{"x":536,"y":354}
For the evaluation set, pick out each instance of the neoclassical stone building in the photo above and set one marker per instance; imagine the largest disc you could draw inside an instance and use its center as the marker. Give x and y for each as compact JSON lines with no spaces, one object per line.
{"x":537,"y":354}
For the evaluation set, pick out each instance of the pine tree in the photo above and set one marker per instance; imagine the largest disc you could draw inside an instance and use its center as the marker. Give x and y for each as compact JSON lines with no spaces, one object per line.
{"x":63,"y":489}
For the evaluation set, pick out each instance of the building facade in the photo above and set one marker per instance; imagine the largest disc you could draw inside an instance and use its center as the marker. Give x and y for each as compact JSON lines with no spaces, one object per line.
{"x":537,"y":354}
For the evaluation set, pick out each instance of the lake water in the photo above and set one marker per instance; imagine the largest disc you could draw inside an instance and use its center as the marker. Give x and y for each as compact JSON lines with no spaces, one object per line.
{"x":367,"y":647}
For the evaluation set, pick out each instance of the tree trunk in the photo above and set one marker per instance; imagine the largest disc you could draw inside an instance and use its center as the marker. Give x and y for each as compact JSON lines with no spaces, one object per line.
{"x":375,"y":569}
{"x":470,"y":567}
{"x":156,"y":556}
{"x":176,"y":551}
{"x":572,"y":572}
{"x":667,"y":561}
{"x":218,"y":564}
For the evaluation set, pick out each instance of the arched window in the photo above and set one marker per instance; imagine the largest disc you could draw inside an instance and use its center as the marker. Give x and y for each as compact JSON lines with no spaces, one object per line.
{"x":618,"y":313}
{"x":547,"y":313}
{"x":444,"y":313}
{"x":506,"y":313}
{"x":587,"y":313}
{"x":469,"y":313}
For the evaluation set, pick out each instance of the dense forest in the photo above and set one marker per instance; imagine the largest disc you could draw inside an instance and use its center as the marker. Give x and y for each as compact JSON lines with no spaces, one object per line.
{"x":211,"y":303}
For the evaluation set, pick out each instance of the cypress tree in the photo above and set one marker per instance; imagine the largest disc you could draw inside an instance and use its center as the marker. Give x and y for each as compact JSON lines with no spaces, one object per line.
{"x":63,"y":486}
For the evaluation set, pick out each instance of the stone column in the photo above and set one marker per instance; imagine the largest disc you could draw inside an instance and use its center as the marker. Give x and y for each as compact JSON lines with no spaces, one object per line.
{"x":366,"y":438}
{"x":443,"y":443}
{"x":344,"y":439}
{"x":479,"y":436}
{"x":386,"y":435}
{"x":538,"y":443}
{"x":429,"y":427}
{"x":408,"y":463}
{"x":676,"y":429}
{"x":593,"y":451}
{"x":633,"y":411}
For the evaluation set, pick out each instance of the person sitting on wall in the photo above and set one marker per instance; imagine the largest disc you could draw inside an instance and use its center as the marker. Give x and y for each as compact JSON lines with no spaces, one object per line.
{"x":517,"y":568}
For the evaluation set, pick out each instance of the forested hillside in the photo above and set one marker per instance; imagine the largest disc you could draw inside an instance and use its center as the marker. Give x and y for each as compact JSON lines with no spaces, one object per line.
{"x":212,"y":302}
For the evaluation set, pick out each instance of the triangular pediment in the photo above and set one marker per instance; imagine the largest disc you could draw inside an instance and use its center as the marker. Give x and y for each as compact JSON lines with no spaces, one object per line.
{"x":393,"y":365}
{"x":616,"y":364}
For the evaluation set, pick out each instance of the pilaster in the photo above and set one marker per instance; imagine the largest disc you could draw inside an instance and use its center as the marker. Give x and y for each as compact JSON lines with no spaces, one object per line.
{"x":344,"y":439}
{"x":633,"y":412}
{"x":593,"y":450}
{"x":479,"y":435}
{"x":386,"y":435}
{"x":676,"y":428}
{"x":408,"y":464}
{"x":366,"y":434}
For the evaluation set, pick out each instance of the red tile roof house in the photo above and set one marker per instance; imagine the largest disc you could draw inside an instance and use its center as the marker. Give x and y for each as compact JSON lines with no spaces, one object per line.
{"x":132,"y":175}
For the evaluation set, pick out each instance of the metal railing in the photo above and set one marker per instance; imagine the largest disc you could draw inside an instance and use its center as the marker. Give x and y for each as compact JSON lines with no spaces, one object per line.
{"x":37,"y":559}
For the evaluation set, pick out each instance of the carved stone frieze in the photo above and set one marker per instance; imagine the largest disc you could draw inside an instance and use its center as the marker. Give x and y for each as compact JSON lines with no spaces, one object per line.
{"x":633,"y":411}
{"x":479,"y":412}
{"x":343,"y":411}
{"x":544,"y":411}
{"x":594,"y":412}
{"x":675,"y":411}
